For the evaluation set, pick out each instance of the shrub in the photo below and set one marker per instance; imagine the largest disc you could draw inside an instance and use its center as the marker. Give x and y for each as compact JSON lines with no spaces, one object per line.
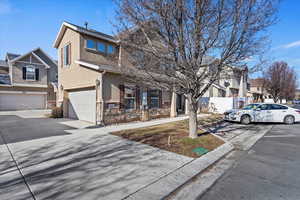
{"x":57,"y":112}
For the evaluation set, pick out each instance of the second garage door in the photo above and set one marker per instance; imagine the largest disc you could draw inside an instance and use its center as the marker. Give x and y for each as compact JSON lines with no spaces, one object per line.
{"x":82,"y":105}
{"x":10,"y":101}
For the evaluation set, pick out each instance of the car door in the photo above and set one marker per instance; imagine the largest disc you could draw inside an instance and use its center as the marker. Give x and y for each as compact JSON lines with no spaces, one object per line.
{"x":278,"y":112}
{"x":263,"y":113}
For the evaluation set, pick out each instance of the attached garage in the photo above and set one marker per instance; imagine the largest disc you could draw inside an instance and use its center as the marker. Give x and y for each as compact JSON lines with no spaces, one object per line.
{"x":16,"y":101}
{"x":82,"y":105}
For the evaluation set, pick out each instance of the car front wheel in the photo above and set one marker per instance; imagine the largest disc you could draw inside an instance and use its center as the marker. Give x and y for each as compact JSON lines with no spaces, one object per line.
{"x":245,"y":119}
{"x":289,"y":119}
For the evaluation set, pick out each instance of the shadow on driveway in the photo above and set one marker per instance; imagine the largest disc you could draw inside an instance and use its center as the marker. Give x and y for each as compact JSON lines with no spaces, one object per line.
{"x":17,"y":129}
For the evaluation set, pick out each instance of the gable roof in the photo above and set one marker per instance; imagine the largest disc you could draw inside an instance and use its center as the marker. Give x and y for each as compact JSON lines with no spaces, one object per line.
{"x":11,"y":56}
{"x":82,"y":30}
{"x":38,"y":53}
{"x":3,"y":63}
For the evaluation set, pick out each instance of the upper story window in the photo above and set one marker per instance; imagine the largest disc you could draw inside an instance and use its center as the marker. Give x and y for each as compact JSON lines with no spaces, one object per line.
{"x":66,"y":57}
{"x":90,"y":44}
{"x":101,"y":47}
{"x":30,"y":73}
{"x":110,"y":49}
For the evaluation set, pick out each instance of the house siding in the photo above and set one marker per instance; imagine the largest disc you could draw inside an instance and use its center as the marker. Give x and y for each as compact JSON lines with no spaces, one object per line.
{"x":95,"y":57}
{"x":73,"y":76}
{"x":17,"y":73}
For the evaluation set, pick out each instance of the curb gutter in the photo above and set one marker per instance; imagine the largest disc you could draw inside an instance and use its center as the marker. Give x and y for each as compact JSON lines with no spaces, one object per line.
{"x":167,"y":185}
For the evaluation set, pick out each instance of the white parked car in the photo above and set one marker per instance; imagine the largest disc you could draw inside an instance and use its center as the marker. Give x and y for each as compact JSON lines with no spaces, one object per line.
{"x":264,"y":112}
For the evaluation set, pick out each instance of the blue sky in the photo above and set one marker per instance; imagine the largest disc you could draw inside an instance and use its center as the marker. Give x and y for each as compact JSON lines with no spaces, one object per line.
{"x":27,"y":24}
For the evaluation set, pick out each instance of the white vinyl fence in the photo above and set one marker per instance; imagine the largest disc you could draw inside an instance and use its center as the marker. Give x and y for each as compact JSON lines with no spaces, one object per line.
{"x":222,"y":104}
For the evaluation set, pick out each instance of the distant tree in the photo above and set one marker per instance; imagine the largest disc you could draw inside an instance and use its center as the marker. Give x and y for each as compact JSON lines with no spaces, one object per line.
{"x":289,"y":84}
{"x":280,"y":81}
{"x":185,"y":45}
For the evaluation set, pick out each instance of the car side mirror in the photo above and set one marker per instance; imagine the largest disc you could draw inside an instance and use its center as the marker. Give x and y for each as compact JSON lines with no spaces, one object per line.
{"x":258,"y":109}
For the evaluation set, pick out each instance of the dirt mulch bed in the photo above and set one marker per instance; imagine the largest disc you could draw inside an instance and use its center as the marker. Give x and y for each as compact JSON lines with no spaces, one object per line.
{"x":174,"y":136}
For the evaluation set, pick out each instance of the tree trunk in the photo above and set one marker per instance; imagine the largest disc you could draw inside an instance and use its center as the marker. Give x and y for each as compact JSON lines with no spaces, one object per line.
{"x":193,"y":123}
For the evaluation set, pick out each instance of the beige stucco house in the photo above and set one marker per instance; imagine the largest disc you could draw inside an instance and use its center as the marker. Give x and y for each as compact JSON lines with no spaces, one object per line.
{"x":28,"y":81}
{"x":92,"y":88}
{"x":90,"y":84}
{"x":258,"y":91}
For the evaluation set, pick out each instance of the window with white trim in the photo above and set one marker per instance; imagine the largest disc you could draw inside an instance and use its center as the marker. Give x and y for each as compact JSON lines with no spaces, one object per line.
{"x":66,"y":55}
{"x":129,"y":97}
{"x":30,"y":73}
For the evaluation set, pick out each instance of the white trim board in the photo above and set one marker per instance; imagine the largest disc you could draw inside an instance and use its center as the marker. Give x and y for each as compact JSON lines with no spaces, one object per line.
{"x":97,"y":67}
{"x":66,"y":25}
{"x":30,"y":85}
{"x":21,"y":92}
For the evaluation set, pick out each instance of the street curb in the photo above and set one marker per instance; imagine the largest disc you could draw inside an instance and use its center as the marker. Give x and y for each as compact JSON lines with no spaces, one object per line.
{"x":165,"y":186}
{"x":248,"y":139}
{"x":224,"y":164}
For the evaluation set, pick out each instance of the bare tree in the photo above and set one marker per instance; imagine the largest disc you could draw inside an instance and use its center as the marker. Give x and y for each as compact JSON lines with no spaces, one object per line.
{"x":289,"y":85}
{"x":280,"y":81}
{"x":185,"y":45}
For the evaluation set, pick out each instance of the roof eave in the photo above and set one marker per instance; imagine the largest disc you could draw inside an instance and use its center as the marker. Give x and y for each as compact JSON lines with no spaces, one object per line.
{"x":66,"y":25}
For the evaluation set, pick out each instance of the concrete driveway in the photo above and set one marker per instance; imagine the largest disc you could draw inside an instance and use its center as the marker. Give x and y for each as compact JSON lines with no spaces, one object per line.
{"x":62,"y":159}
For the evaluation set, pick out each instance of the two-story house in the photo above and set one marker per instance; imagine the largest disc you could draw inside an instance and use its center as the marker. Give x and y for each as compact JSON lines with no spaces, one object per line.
{"x":28,"y":81}
{"x":257,"y":90}
{"x":90,"y":84}
{"x":232,"y":83}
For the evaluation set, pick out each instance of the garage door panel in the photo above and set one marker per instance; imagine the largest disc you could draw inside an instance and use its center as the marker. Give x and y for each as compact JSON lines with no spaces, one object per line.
{"x":22,"y":101}
{"x":82,"y":105}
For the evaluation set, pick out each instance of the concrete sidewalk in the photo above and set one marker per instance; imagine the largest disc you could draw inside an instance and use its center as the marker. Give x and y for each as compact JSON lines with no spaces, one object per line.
{"x":87,"y":163}
{"x":12,"y":185}
{"x":118,"y":127}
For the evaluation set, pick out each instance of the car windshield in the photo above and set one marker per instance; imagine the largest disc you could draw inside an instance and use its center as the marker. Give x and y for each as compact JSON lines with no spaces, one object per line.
{"x":250,"y":107}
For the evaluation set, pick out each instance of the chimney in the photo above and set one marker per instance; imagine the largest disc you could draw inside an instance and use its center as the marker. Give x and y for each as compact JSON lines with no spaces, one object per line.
{"x":86,"y":25}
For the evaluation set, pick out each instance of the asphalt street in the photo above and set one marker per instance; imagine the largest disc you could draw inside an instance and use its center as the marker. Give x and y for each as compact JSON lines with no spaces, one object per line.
{"x":268,"y":171}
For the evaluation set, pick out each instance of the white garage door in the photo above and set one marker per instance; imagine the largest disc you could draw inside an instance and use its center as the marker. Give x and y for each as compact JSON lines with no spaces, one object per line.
{"x":82,"y":105}
{"x":22,"y":101}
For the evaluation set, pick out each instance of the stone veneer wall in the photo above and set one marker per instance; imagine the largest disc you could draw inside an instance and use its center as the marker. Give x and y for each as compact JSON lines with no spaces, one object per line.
{"x":114,"y":116}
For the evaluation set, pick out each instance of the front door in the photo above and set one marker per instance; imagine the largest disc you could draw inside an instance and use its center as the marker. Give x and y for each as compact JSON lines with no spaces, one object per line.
{"x":180,"y":103}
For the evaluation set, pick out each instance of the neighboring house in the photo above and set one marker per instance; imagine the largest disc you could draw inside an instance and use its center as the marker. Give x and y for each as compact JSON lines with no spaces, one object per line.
{"x":233,"y":83}
{"x":90,"y":84}
{"x":257,"y":90}
{"x":27,"y":81}
{"x":92,"y":88}
{"x":297,"y":94}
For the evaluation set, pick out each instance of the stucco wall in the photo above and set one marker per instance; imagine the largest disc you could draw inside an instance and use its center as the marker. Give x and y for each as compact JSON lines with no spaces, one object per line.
{"x":74,"y":76}
{"x":111,"y":90}
{"x":95,"y":57}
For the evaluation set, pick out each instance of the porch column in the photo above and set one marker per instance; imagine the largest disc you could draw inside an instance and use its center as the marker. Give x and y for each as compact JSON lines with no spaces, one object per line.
{"x":99,"y":100}
{"x":186,"y":109}
{"x":173,"y":112}
{"x":228,"y":91}
{"x":242,"y":87}
{"x":65,"y":104}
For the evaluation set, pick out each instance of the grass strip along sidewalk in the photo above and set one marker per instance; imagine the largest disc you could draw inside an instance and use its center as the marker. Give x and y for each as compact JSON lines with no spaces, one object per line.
{"x":173,"y":136}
